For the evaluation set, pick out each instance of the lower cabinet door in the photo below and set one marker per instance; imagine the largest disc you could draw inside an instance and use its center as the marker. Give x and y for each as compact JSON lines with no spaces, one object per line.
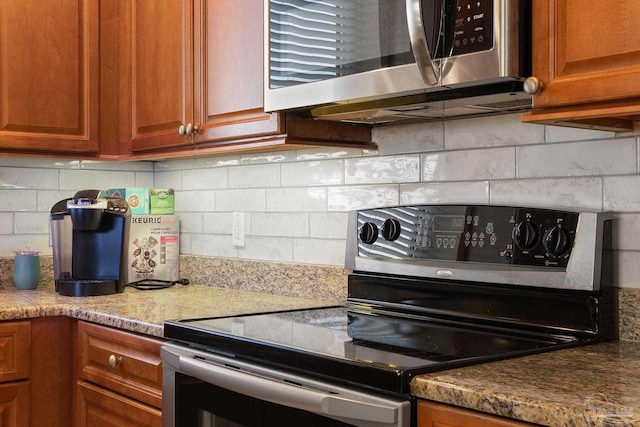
{"x":432,"y":414}
{"x":14,"y":404}
{"x":98,"y":407}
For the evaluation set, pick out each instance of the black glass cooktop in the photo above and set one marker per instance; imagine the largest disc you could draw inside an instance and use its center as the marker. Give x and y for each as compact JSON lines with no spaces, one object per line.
{"x":356,"y":347}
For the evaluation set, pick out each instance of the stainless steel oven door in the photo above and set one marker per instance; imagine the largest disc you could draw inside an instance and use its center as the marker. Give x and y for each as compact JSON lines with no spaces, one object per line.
{"x":203,"y":389}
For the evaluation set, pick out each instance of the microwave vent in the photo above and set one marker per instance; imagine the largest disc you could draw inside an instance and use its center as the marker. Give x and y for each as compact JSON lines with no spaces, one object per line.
{"x":511,"y":105}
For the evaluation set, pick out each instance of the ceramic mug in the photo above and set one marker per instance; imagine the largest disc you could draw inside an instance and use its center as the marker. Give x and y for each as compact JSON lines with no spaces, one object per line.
{"x":26,"y":269}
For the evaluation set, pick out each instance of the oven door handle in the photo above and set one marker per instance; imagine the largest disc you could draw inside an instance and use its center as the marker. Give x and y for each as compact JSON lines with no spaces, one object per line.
{"x":348,"y":409}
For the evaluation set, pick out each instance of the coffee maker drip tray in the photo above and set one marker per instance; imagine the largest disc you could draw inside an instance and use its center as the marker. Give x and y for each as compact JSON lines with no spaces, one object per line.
{"x":86,"y":288}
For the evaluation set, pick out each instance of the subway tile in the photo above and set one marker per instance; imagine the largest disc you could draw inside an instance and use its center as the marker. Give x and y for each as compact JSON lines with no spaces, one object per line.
{"x":28,"y":178}
{"x":626,"y":232}
{"x":490,"y":163}
{"x":319,"y":251}
{"x":280,"y":224}
{"x":605,"y":157}
{"x":626,"y":269}
{"x":95,"y":179}
{"x":217,"y":223}
{"x":411,"y":138}
{"x":204,"y":179}
{"x":505,"y":130}
{"x":242,"y":200}
{"x":46,"y":199}
{"x":144,"y":180}
{"x":116,"y":166}
{"x":168,"y":179}
{"x":212,"y":245}
{"x":312,"y":173}
{"x":40,"y":163}
{"x":302,"y":199}
{"x":565,"y":134}
{"x":18,"y":200}
{"x":191,"y":222}
{"x":25,"y":242}
{"x":185,"y":243}
{"x":267,"y":248}
{"x":31,"y":223}
{"x":255,"y":176}
{"x":445,"y":192}
{"x":622,"y":193}
{"x":194,"y":201}
{"x":326,"y":153}
{"x":216,"y":162}
{"x":343,"y":199}
{"x":169,"y":165}
{"x":6,"y":224}
{"x":274,"y":157}
{"x":329,"y":225}
{"x":382,"y":170}
{"x":560,"y":192}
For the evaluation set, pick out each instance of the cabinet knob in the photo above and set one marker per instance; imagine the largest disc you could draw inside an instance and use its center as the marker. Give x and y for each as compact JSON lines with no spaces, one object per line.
{"x":191,"y":129}
{"x":181,"y":130}
{"x":115,"y":361}
{"x":532,"y":85}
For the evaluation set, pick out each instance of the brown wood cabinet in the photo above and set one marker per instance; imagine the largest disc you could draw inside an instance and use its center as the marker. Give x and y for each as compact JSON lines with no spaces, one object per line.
{"x":15,"y":349}
{"x":197,"y":83}
{"x":35,"y":372}
{"x":49,"y":76}
{"x":431,"y":414}
{"x":50,"y":381}
{"x":586,"y":58}
{"x":119,"y":378}
{"x":132,"y":79}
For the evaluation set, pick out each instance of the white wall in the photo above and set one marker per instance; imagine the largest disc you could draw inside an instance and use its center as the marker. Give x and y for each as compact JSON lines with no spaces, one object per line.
{"x":296,"y":202}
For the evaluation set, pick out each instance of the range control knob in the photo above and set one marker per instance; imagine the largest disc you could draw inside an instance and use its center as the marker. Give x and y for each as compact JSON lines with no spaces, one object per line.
{"x":525,"y":235}
{"x":368,"y":232}
{"x":391,"y":229}
{"x":557,"y":241}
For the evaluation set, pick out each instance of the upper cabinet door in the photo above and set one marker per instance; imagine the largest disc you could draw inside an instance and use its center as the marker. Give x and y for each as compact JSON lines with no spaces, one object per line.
{"x":49,"y":76}
{"x":229,"y":70}
{"x":161,"y":72}
{"x":586,"y":54}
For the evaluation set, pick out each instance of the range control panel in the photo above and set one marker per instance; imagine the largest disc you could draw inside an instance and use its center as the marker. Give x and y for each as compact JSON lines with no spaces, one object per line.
{"x":474,"y":233}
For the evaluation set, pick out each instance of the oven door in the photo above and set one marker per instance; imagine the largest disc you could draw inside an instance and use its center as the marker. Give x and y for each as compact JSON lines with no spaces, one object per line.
{"x":203,"y":389}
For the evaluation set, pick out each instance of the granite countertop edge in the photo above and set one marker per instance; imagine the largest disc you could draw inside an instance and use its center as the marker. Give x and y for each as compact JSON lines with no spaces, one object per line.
{"x":596,"y":385}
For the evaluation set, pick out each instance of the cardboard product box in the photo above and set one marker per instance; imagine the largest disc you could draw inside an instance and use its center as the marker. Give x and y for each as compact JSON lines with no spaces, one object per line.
{"x":137,"y":198}
{"x":161,"y":201}
{"x":154,"y":248}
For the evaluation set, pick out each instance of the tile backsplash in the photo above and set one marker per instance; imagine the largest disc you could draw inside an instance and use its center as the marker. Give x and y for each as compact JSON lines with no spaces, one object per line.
{"x":296,"y":202}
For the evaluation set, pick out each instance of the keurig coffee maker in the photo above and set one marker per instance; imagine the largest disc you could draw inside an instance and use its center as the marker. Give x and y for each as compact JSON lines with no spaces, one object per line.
{"x":90,"y":234}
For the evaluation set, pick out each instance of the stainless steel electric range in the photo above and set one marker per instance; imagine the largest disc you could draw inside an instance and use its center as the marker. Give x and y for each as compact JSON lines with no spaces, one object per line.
{"x":433,"y":287}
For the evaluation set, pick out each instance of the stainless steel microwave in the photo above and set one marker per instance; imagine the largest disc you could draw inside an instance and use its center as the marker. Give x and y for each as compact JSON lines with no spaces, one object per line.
{"x":381,"y":61}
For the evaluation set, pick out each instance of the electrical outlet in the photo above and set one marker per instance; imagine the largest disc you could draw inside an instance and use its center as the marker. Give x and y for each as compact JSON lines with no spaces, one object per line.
{"x":237,"y":229}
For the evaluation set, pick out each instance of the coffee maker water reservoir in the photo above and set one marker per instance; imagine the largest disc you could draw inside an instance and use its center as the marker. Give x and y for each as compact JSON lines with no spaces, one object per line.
{"x":89,"y":235}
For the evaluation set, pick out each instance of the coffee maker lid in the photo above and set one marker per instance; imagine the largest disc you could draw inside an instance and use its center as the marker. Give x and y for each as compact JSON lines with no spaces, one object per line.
{"x":87,"y":199}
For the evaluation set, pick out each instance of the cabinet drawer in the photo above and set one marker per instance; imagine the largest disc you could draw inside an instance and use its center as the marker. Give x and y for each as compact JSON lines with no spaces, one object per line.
{"x":120,"y":361}
{"x":101,"y":408}
{"x":15,"y":348}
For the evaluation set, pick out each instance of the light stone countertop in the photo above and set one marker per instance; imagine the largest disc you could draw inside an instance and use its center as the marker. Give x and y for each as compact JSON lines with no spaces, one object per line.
{"x":551,"y":389}
{"x":596,"y":386}
{"x":145,"y":311}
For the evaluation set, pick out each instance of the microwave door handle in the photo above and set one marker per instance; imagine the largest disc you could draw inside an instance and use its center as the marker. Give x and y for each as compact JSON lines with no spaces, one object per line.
{"x":419,"y":44}
{"x":353,"y":411}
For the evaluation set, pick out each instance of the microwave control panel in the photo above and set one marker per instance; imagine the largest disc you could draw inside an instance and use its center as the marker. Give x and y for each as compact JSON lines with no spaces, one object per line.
{"x":470,"y":22}
{"x":477,"y":233}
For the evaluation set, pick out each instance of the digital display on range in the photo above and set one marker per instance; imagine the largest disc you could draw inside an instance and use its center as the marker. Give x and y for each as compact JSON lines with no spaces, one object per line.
{"x":448,"y":223}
